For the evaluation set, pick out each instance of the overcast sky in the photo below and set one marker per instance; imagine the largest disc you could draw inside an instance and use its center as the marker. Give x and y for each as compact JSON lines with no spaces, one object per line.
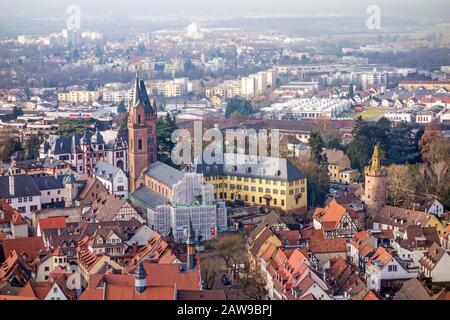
{"x":415,"y":9}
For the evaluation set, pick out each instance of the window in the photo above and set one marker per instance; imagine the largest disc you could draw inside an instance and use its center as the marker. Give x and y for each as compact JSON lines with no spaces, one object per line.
{"x":139,"y":144}
{"x":120,"y":188}
{"x":392,"y":268}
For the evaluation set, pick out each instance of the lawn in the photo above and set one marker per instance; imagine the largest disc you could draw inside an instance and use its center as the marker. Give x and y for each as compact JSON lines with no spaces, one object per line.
{"x":370,"y":114}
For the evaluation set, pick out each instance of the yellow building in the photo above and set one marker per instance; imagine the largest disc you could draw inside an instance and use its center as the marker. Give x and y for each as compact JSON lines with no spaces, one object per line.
{"x":254,"y":180}
{"x":259,"y":245}
{"x":337,"y":162}
{"x":348,"y":176}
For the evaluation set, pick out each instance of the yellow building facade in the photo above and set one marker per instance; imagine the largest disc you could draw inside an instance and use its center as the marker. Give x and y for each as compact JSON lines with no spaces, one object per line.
{"x":283,"y":187}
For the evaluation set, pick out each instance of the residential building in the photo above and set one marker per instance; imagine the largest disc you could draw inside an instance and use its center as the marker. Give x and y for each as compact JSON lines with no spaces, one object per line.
{"x":79,"y":96}
{"x":336,"y":221}
{"x":82,"y":152}
{"x":435,"y":264}
{"x":382,"y":267}
{"x":113,"y":178}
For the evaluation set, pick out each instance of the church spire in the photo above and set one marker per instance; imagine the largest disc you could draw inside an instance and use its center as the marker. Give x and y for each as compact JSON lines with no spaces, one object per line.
{"x":190,"y":243}
{"x":137,"y":94}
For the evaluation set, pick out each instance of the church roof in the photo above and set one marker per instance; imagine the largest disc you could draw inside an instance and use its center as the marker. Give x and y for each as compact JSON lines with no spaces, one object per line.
{"x":140,"y":97}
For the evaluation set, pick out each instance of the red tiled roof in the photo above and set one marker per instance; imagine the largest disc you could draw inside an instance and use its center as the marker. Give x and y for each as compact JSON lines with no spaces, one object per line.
{"x":28,"y":246}
{"x":330,"y":216}
{"x":380,"y":255}
{"x":160,"y":275}
{"x":370,"y":296}
{"x":17,"y":219}
{"x":52,"y":223}
{"x":117,"y":292}
{"x":328,"y":245}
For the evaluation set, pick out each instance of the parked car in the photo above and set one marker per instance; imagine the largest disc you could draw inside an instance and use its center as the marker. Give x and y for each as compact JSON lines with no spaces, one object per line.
{"x":225,"y":280}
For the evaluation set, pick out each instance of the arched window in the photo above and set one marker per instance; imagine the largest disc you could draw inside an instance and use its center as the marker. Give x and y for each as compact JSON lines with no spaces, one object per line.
{"x":139,"y":144}
{"x":139,"y":118}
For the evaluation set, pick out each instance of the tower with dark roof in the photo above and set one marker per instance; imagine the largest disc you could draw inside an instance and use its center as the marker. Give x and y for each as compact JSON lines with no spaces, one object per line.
{"x":190,"y":244}
{"x":375,"y":186}
{"x":140,"y":278}
{"x":142,"y":149}
{"x":85,"y":145}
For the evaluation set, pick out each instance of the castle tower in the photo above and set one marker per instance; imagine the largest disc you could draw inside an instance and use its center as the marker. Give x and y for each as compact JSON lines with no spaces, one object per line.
{"x":142,"y":148}
{"x":375,"y":186}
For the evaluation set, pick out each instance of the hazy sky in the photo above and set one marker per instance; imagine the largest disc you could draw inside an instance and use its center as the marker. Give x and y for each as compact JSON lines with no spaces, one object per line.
{"x":415,"y":9}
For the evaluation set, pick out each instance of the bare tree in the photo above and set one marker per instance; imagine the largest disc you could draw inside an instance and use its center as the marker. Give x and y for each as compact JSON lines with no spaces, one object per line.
{"x":440,"y":169}
{"x":209,"y":273}
{"x":400,"y":185}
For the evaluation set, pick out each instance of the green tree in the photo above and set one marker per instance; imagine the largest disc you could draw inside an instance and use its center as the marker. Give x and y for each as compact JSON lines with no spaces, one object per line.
{"x":318,"y":181}
{"x":351,"y":92}
{"x":69,"y":127}
{"x":238,"y":106}
{"x":316,"y":144}
{"x":12,"y":146}
{"x":141,"y":49}
{"x":165,"y":145}
{"x":31,"y":148}
{"x":17,"y":112}
{"x":121,"y":108}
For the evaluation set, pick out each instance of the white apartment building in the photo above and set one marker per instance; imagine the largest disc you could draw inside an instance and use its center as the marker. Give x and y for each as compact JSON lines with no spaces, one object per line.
{"x":79,"y":96}
{"x":113,"y":178}
{"x":248,"y":86}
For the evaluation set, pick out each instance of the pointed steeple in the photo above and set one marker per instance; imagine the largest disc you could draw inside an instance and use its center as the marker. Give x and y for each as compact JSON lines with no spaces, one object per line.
{"x":85,"y":139}
{"x":191,"y":233}
{"x":141,"y":97}
{"x":136,"y":95}
{"x":376,"y":164}
{"x":190,"y":243}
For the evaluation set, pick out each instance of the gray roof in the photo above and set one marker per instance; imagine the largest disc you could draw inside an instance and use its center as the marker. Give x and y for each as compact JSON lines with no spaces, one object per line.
{"x":149,"y":198}
{"x":253,"y":167}
{"x":24,"y":186}
{"x":140,"y":97}
{"x":49,"y":182}
{"x":104,"y":170}
{"x":164,"y":173}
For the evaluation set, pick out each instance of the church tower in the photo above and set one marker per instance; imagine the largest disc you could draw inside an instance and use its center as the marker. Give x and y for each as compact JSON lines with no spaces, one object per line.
{"x":190,"y":246}
{"x":142,"y":147}
{"x":375,"y":186}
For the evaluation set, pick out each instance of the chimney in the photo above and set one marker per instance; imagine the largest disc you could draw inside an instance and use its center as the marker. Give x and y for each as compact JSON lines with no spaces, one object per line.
{"x":12,"y":189}
{"x":140,"y":278}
